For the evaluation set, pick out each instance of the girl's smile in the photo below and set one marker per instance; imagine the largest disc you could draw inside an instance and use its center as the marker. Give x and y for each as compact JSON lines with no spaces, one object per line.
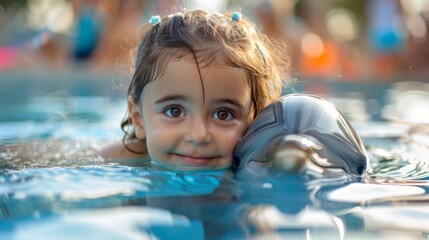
{"x":194,"y":160}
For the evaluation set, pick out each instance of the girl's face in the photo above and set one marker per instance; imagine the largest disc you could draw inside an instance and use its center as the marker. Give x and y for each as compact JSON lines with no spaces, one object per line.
{"x":187,"y":129}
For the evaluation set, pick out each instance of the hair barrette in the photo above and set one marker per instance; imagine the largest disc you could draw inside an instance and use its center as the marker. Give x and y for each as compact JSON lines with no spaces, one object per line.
{"x":154,"y":20}
{"x":236,"y":16}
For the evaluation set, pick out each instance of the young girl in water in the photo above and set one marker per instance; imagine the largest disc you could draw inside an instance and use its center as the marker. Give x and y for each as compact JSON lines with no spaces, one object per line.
{"x":200,"y":78}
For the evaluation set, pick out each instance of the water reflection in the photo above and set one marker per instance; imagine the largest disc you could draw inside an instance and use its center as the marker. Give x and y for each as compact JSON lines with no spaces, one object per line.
{"x":400,"y":222}
{"x":408,"y":103}
{"x":113,"y":223}
{"x":48,"y":202}
{"x":308,"y":223}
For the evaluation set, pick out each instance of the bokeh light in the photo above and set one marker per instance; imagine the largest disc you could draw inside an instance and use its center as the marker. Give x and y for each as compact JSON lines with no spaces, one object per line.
{"x":342,"y":24}
{"x":55,"y":15}
{"x":312,"y":45}
{"x":417,"y":27}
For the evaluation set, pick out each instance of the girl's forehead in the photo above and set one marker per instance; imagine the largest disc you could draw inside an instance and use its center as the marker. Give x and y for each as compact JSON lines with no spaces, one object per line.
{"x":213,"y":79}
{"x":202,"y":58}
{"x":188,"y":68}
{"x":203,"y":71}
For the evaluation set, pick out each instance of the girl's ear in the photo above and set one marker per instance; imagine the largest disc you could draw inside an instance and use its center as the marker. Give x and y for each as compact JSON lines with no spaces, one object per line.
{"x":136,"y":118}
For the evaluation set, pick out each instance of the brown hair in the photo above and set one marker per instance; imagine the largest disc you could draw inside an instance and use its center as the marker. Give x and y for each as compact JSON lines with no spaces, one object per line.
{"x":210,"y":36}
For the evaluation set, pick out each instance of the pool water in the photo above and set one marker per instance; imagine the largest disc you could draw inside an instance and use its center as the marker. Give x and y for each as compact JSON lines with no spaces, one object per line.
{"x":54,"y":186}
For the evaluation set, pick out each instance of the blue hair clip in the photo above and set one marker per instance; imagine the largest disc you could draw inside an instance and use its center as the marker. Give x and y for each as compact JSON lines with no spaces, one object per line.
{"x":154,"y":20}
{"x":236,"y":16}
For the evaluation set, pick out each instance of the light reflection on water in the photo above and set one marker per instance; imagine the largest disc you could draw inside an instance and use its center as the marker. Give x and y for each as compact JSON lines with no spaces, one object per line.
{"x":396,"y":159}
{"x":54,"y":188}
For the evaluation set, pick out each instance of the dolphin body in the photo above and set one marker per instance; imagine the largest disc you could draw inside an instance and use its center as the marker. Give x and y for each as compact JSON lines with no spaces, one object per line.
{"x":301,"y":132}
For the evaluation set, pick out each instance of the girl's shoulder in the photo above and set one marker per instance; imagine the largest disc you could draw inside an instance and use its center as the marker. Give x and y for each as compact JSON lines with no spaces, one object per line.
{"x":118,"y":150}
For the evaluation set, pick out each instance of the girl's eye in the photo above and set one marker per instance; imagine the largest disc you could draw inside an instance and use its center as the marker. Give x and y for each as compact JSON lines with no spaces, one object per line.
{"x":223,"y":114}
{"x":174,"y":112}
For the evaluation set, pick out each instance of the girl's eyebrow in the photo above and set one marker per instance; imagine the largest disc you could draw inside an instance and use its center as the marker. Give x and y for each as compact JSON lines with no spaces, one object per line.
{"x":170,"y":98}
{"x":229,"y":101}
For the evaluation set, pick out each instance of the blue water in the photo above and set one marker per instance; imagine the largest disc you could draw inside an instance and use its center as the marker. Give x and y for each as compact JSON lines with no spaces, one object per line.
{"x":53,"y":186}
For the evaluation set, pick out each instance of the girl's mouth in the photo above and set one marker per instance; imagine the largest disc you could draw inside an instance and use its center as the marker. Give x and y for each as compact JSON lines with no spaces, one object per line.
{"x":194,"y":160}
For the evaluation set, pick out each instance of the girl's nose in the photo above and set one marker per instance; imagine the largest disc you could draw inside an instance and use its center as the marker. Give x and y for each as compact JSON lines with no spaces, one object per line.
{"x":198,"y":132}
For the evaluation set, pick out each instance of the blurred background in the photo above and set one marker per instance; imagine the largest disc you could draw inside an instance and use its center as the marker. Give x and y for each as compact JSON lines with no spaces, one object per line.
{"x":362,"y":54}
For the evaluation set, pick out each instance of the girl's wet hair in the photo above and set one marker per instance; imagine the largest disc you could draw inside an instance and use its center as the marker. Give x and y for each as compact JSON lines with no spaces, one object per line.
{"x":210,"y":37}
